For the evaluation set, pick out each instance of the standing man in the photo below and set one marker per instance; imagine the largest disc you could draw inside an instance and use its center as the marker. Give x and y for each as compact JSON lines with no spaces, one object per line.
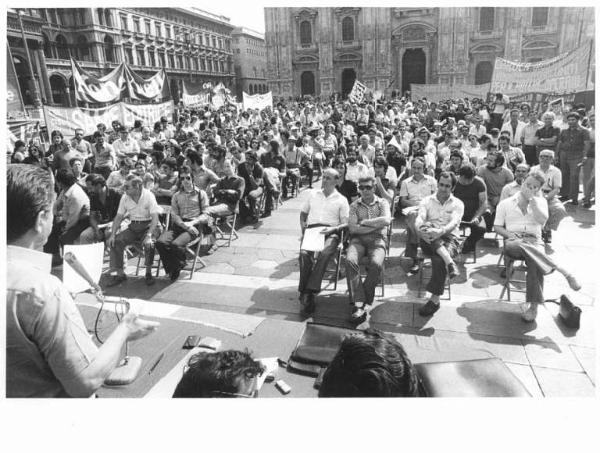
{"x":367,"y":225}
{"x":547,"y":135}
{"x":514,"y":127}
{"x":49,"y":352}
{"x":573,"y":144}
{"x":327,"y":210}
{"x":519,"y":220}
{"x":437,"y":222}
{"x":140,"y":206}
{"x":530,"y":139}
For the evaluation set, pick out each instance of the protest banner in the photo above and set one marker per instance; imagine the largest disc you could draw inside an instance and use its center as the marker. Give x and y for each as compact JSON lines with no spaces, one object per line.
{"x":156,"y":88}
{"x":257,"y":101}
{"x":358,"y":92}
{"x":94,"y":90}
{"x":566,"y":73}
{"x":218,"y":100}
{"x":443,"y":91}
{"x":67,"y":120}
{"x":195,"y":94}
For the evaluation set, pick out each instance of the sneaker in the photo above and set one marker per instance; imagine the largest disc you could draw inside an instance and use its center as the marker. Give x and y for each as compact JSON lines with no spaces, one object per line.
{"x":115,"y":280}
{"x":429,"y":308}
{"x":573,"y":283}
{"x":149,"y":280}
{"x":530,"y":314}
{"x":453,"y":270}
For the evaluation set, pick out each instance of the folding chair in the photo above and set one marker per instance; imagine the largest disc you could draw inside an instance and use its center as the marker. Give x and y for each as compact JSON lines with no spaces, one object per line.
{"x":390,"y":226}
{"x":193,"y":249}
{"x":463,"y":234}
{"x":228,"y":221}
{"x":337,"y":260}
{"x":517,"y":285}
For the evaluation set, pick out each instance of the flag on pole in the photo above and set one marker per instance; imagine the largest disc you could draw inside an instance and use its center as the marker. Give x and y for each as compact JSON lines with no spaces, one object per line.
{"x":358,"y":92}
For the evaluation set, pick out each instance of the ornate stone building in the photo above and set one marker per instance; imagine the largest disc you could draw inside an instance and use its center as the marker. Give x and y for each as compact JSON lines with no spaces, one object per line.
{"x":191,"y":44}
{"x":250,"y":61}
{"x":323,"y":50}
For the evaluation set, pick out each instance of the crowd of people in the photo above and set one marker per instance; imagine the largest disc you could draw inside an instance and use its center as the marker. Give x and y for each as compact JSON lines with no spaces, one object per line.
{"x":457,"y":164}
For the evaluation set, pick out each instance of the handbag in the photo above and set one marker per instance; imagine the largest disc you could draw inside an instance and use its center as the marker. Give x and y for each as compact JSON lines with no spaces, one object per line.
{"x":569,"y":313}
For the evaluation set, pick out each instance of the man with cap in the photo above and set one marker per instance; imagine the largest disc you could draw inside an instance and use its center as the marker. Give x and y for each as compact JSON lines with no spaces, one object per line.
{"x":573,"y":144}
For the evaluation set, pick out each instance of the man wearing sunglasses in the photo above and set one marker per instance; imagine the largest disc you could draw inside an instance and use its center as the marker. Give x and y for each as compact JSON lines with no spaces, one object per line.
{"x":188,"y":216}
{"x":367,"y":224}
{"x":437,"y":223}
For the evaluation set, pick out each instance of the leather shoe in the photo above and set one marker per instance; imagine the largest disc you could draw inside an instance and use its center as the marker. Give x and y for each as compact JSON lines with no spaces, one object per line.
{"x":359,"y":314}
{"x":414,"y":268}
{"x":308,"y":304}
{"x":174,"y":275}
{"x":149,"y":280}
{"x":115,"y":280}
{"x":429,"y":308}
{"x":453,"y":270}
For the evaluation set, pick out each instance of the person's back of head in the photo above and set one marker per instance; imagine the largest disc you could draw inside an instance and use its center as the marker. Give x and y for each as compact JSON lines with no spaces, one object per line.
{"x":370,"y":364}
{"x":223,"y":374}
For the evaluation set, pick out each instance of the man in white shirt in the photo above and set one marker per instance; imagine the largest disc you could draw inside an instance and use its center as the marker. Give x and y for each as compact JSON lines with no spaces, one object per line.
{"x":354,"y":169}
{"x":414,"y":189}
{"x":327,"y":210}
{"x":140,"y":206}
{"x":477,"y":128}
{"x":514,"y":127}
{"x":519,"y":220}
{"x":126,"y":146}
{"x":529,"y":138}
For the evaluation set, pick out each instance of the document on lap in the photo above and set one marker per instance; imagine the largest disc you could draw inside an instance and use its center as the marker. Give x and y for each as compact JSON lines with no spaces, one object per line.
{"x":313,"y":240}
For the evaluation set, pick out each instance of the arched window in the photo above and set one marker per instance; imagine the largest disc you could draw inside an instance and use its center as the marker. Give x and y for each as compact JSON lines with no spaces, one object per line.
{"x":58,"y":88}
{"x":348,"y":29}
{"x":62,"y":47}
{"x":486,"y":19}
{"x":109,"y":51}
{"x":305,"y":33}
{"x":539,"y":17}
{"x":47,"y":47}
{"x":83,"y":49}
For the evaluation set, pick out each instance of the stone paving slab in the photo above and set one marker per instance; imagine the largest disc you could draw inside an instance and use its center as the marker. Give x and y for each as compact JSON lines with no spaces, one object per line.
{"x":526,"y":375}
{"x":558,"y":383}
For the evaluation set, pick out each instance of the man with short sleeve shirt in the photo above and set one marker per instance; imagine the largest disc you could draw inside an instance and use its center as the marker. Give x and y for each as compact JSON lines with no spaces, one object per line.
{"x":139,"y":205}
{"x":519,"y":220}
{"x":573,"y":144}
{"x":328,"y":210}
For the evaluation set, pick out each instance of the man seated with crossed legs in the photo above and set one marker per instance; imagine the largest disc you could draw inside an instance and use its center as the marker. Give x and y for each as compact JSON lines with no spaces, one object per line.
{"x":437,"y":222}
{"x":519,"y":220}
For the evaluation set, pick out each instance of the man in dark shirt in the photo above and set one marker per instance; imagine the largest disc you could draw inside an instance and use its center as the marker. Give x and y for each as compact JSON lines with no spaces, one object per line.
{"x":471,"y":190}
{"x":547,"y":135}
{"x":573,"y":144}
{"x":252,"y":173}
{"x":104,"y":203}
{"x":227,"y":193}
{"x":272,"y":159}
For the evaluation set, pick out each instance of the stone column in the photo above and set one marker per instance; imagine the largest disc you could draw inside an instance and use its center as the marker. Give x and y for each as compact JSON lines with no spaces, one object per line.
{"x":40,"y":61}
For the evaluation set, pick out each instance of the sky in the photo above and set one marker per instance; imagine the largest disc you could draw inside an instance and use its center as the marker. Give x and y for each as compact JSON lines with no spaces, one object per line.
{"x":247,"y":14}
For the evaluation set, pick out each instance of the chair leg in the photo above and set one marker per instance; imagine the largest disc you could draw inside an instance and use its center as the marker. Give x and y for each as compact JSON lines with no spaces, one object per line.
{"x":337,"y":269}
{"x":137,"y":268}
{"x":506,"y":287}
{"x":383,"y":278}
{"x":421,"y":265}
{"x":158,"y":266}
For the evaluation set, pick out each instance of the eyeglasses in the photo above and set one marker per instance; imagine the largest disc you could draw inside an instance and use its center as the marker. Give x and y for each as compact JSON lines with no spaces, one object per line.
{"x":185,"y":178}
{"x":365,"y":187}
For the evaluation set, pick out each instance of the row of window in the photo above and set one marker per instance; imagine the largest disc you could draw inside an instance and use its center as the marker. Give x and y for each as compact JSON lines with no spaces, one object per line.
{"x":257,"y":88}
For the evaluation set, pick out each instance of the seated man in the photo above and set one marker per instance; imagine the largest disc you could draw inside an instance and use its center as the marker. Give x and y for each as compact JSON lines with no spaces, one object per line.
{"x":385,"y":185}
{"x":252,"y":173}
{"x":370,"y":364}
{"x":49,"y":352}
{"x":412,"y":191}
{"x":104,"y":204}
{"x":167,"y":183}
{"x":367,"y":224}
{"x":188,"y":217}
{"x":550,"y":190}
{"x":496,"y":176}
{"x":116,"y":179}
{"x":437,"y":221}
{"x":293,"y":159}
{"x":72,"y":213}
{"x":139,"y":205}
{"x":519,"y":220}
{"x":471,"y":190}
{"x":203,"y":177}
{"x":514,"y":187}
{"x":272,"y":160}
{"x":326,"y":209}
{"x":222,"y":374}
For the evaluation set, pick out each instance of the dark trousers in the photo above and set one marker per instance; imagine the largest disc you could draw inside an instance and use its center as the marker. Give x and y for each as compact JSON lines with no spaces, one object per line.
{"x":311,"y":270}
{"x":477,"y":231}
{"x":171,"y":248}
{"x":135,"y":233}
{"x":570,"y":174}
{"x":60,"y":236}
{"x":438,"y":267}
{"x":538,"y":265}
{"x":307,"y":169}
{"x":104,"y":171}
{"x":531,"y":155}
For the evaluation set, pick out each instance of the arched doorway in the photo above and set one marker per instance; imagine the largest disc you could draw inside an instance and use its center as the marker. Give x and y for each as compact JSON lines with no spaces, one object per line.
{"x":413,"y":68}
{"x":348,"y":78}
{"x":483,"y":72}
{"x":307,"y":83}
{"x":59,"y":90}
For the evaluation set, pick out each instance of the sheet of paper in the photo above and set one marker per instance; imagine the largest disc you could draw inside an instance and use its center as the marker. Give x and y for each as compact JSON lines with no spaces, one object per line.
{"x":313,"y":240}
{"x":90,"y":256}
{"x":409,"y":209}
{"x":270,"y":365}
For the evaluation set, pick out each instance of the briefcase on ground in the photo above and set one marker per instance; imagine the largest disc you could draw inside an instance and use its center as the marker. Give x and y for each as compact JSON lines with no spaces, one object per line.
{"x":317,"y":347}
{"x":569,"y":313}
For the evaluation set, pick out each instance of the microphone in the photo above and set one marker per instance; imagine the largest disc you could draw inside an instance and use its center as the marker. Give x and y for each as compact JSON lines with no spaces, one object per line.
{"x":129,"y":368}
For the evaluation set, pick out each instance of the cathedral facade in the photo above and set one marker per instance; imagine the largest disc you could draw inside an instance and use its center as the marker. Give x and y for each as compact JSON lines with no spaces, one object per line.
{"x":320,"y":51}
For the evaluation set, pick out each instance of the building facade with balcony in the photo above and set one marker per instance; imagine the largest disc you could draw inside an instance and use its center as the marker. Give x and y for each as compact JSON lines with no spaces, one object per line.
{"x":250,"y":61}
{"x":323,"y":50}
{"x":191,"y":44}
